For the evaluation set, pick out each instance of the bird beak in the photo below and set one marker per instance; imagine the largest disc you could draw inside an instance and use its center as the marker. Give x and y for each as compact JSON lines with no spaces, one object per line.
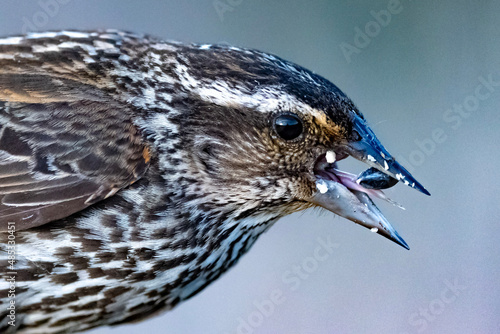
{"x":338,"y":191}
{"x":356,"y":206}
{"x":370,"y":150}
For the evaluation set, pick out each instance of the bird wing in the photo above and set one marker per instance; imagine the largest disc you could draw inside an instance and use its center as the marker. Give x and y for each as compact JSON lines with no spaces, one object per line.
{"x":64,"y":145}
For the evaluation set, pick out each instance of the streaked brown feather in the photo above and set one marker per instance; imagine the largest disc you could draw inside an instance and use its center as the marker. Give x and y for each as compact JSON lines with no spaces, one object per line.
{"x":61,"y":148}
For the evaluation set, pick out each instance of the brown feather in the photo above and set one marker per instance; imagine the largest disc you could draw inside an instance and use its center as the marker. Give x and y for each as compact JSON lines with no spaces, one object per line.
{"x":62,"y":149}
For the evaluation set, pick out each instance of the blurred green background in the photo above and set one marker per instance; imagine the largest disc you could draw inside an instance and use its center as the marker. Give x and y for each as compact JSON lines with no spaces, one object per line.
{"x":421,"y":77}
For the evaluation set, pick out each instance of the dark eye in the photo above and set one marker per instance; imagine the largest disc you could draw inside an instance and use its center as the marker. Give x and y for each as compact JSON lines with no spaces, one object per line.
{"x":288,"y":126}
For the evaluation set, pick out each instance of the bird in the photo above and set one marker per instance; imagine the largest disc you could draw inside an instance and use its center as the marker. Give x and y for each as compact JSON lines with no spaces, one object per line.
{"x":135,"y":171}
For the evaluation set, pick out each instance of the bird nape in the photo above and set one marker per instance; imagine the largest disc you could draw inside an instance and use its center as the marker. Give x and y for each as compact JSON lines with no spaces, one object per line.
{"x":134,"y":171}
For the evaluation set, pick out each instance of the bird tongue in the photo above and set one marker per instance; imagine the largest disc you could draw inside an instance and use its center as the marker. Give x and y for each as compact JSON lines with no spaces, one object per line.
{"x":339,"y":192}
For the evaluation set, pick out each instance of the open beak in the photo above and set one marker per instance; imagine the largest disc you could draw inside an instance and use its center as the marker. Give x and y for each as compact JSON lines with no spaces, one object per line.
{"x":344,"y":194}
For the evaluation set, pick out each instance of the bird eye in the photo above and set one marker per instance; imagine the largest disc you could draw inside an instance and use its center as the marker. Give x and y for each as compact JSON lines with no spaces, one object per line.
{"x":288,"y":126}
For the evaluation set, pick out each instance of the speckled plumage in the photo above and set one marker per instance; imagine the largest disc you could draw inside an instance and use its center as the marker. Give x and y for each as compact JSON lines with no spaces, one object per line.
{"x":137,"y":171}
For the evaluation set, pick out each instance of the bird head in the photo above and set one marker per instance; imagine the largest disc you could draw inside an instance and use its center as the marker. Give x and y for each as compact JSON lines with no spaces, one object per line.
{"x":267,"y":134}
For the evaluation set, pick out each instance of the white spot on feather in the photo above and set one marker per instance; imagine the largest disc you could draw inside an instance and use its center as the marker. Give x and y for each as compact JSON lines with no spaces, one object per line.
{"x":11,"y":41}
{"x":74,"y":34}
{"x":163,"y":47}
{"x":48,"y":34}
{"x":45,"y":48}
{"x":71,"y":45}
{"x":100,"y":45}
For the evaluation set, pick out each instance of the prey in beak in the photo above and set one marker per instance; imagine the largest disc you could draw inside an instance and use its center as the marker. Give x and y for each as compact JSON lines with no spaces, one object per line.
{"x":350,"y":196}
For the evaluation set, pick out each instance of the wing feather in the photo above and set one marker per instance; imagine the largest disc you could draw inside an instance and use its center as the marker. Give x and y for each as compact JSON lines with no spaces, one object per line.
{"x":60,"y":153}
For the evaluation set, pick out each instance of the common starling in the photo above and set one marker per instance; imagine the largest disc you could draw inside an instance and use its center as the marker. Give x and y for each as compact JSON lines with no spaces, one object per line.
{"x":134,"y":171}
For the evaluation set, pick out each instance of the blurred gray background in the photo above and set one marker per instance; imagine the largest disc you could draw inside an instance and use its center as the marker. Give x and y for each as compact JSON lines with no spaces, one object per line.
{"x":421,"y":79}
